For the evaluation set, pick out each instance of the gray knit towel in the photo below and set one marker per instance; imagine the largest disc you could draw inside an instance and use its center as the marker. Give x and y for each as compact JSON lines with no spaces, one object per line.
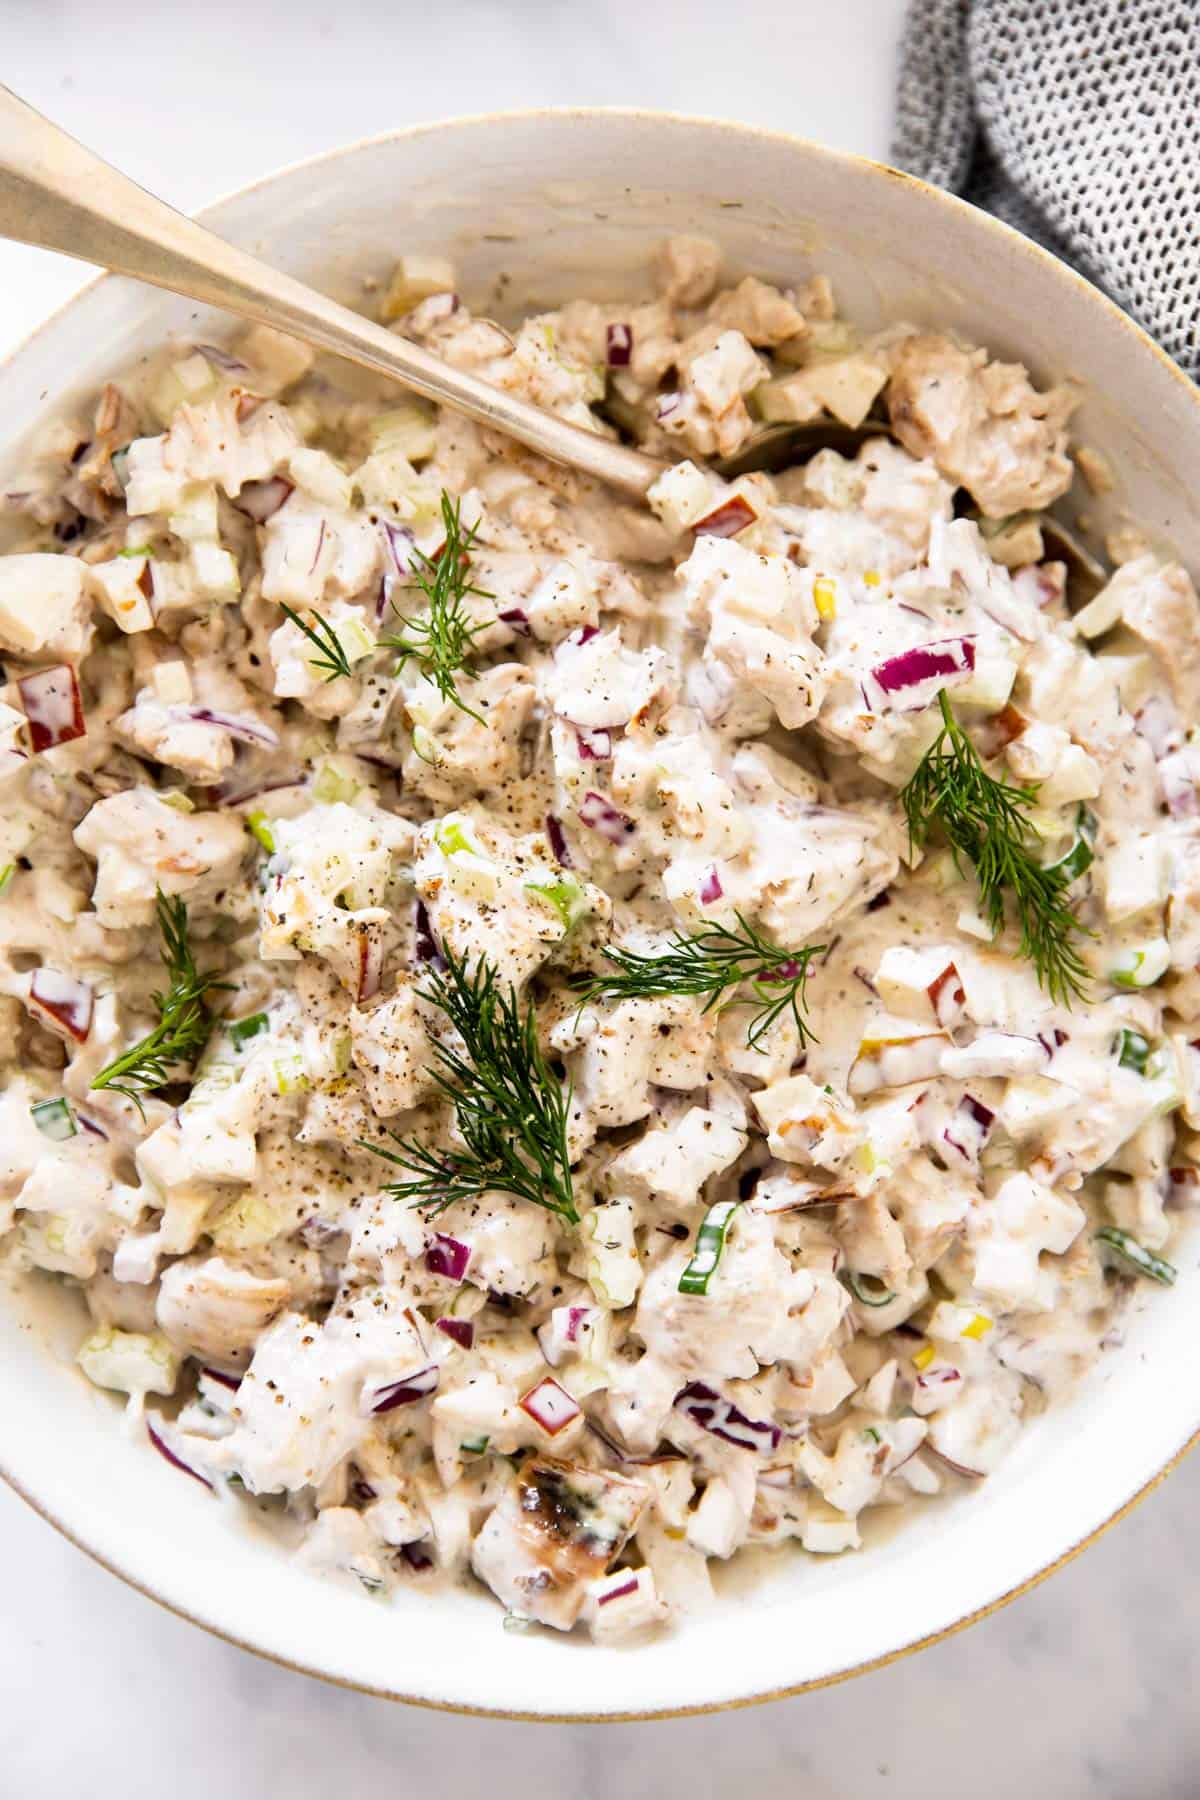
{"x":1077,"y":121}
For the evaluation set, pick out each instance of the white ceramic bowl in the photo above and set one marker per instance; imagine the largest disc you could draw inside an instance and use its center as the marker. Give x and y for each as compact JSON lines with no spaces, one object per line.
{"x":573,"y":202}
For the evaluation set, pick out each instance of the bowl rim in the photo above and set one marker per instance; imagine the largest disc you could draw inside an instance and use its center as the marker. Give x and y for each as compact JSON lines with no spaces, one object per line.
{"x":1091,"y":294}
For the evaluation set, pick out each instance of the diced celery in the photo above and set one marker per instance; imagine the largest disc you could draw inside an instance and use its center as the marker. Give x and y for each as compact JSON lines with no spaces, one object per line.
{"x":54,"y":1119}
{"x":259,"y":826}
{"x":289,"y":1075}
{"x":565,"y":894}
{"x":333,"y":784}
{"x":6,"y":877}
{"x":453,"y":836}
{"x":409,"y":428}
{"x":354,"y":637}
{"x":247,"y":1224}
{"x":176,"y":798}
{"x":130,"y":1361}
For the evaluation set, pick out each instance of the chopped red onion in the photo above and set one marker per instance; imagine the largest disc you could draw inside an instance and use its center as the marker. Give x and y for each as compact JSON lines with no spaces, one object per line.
{"x":584,"y":635}
{"x":416,"y":1558}
{"x":550,"y":1406}
{"x":927,"y":1389}
{"x":918,"y":674}
{"x":1157,"y":721}
{"x":222,"y":359}
{"x":460,"y":1331}
{"x":261,"y":500}
{"x":708,"y":1409}
{"x":517,"y":620}
{"x":618,"y":346}
{"x":558,"y":842}
{"x":235,"y":790}
{"x":969,"y":1129}
{"x":405,"y":1392}
{"x":398,"y":541}
{"x":630,"y":1586}
{"x":176,"y":1462}
{"x":51,"y":702}
{"x":957,"y":1467}
{"x":246,"y":730}
{"x":711,"y":889}
{"x":91,"y":1125}
{"x":947,"y":997}
{"x":726,"y":520}
{"x":565,"y":1330}
{"x":65,"y":1001}
{"x":316,"y":1233}
{"x":448,"y":1256}
{"x":320,"y":545}
{"x":425,"y":947}
{"x":594,"y":746}
{"x":370,"y":963}
{"x":232,"y":1382}
{"x":878,"y":901}
{"x":602,"y":816}
{"x":1178,"y":785}
{"x":666,"y":406}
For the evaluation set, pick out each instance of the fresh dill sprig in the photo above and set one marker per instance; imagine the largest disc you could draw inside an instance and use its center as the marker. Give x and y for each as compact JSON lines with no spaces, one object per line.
{"x":332,"y":657}
{"x":185,"y":1021}
{"x":713,"y":962}
{"x":441,"y":641}
{"x":985,"y":822}
{"x":510,"y":1109}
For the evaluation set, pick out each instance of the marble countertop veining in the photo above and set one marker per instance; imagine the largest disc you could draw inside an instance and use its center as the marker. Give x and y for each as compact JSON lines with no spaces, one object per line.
{"x":1082,"y":1690}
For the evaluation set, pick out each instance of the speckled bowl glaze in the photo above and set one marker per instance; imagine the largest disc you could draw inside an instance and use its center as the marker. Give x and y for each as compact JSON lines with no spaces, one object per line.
{"x":535,"y":207}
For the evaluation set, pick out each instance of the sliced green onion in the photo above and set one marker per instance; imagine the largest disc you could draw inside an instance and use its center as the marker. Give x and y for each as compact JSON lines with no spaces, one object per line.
{"x":1136,"y":1255}
{"x":710,"y":1245}
{"x":243,"y":1029}
{"x":450,"y":836}
{"x":874,"y":1295}
{"x":1133,"y":1050}
{"x":872,"y":1435}
{"x":259,"y":826}
{"x":54,"y":1119}
{"x":475,"y":1446}
{"x":135,"y":549}
{"x":6,"y":876}
{"x":289,"y":1075}
{"x":1082,"y":853}
{"x":1143,"y":966}
{"x":565,"y":895}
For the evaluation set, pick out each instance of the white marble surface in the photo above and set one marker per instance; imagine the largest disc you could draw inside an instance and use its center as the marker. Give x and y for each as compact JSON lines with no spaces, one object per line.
{"x":1083,"y":1688}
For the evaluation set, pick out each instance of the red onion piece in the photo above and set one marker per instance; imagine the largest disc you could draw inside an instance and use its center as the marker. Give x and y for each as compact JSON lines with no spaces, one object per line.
{"x":708,"y":1409}
{"x":221,"y":359}
{"x":957,"y":1467}
{"x":261,"y":500}
{"x":969,"y":1129}
{"x":235,"y":789}
{"x":232,"y":1382}
{"x":448,"y":1256}
{"x":67,"y":1003}
{"x":666,"y":406}
{"x":316,"y":1233}
{"x":947,"y":997}
{"x":176,"y":1462}
{"x":370,"y":963}
{"x":558,"y":842}
{"x":425,"y":947}
{"x":516,"y":620}
{"x":584,"y":635}
{"x":405,"y":1392}
{"x":549,"y":1406}
{"x":91,"y":1125}
{"x":618,"y":346}
{"x":51,"y":702}
{"x":416,"y":1558}
{"x":726,"y":520}
{"x":460,"y":1331}
{"x":626,"y":1587}
{"x":924,"y":669}
{"x":600,"y":815}
{"x":878,"y":901}
{"x":710,"y":888}
{"x":593,"y":746}
{"x":398,"y":542}
{"x":564,"y":1331}
{"x":246,"y":730}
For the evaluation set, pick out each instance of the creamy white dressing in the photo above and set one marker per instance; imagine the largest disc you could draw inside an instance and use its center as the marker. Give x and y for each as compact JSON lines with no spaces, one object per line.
{"x":687,"y":714}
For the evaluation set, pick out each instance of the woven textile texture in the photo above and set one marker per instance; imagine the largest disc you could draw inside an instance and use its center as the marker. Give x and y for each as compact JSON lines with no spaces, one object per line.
{"x":1077,"y":121}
